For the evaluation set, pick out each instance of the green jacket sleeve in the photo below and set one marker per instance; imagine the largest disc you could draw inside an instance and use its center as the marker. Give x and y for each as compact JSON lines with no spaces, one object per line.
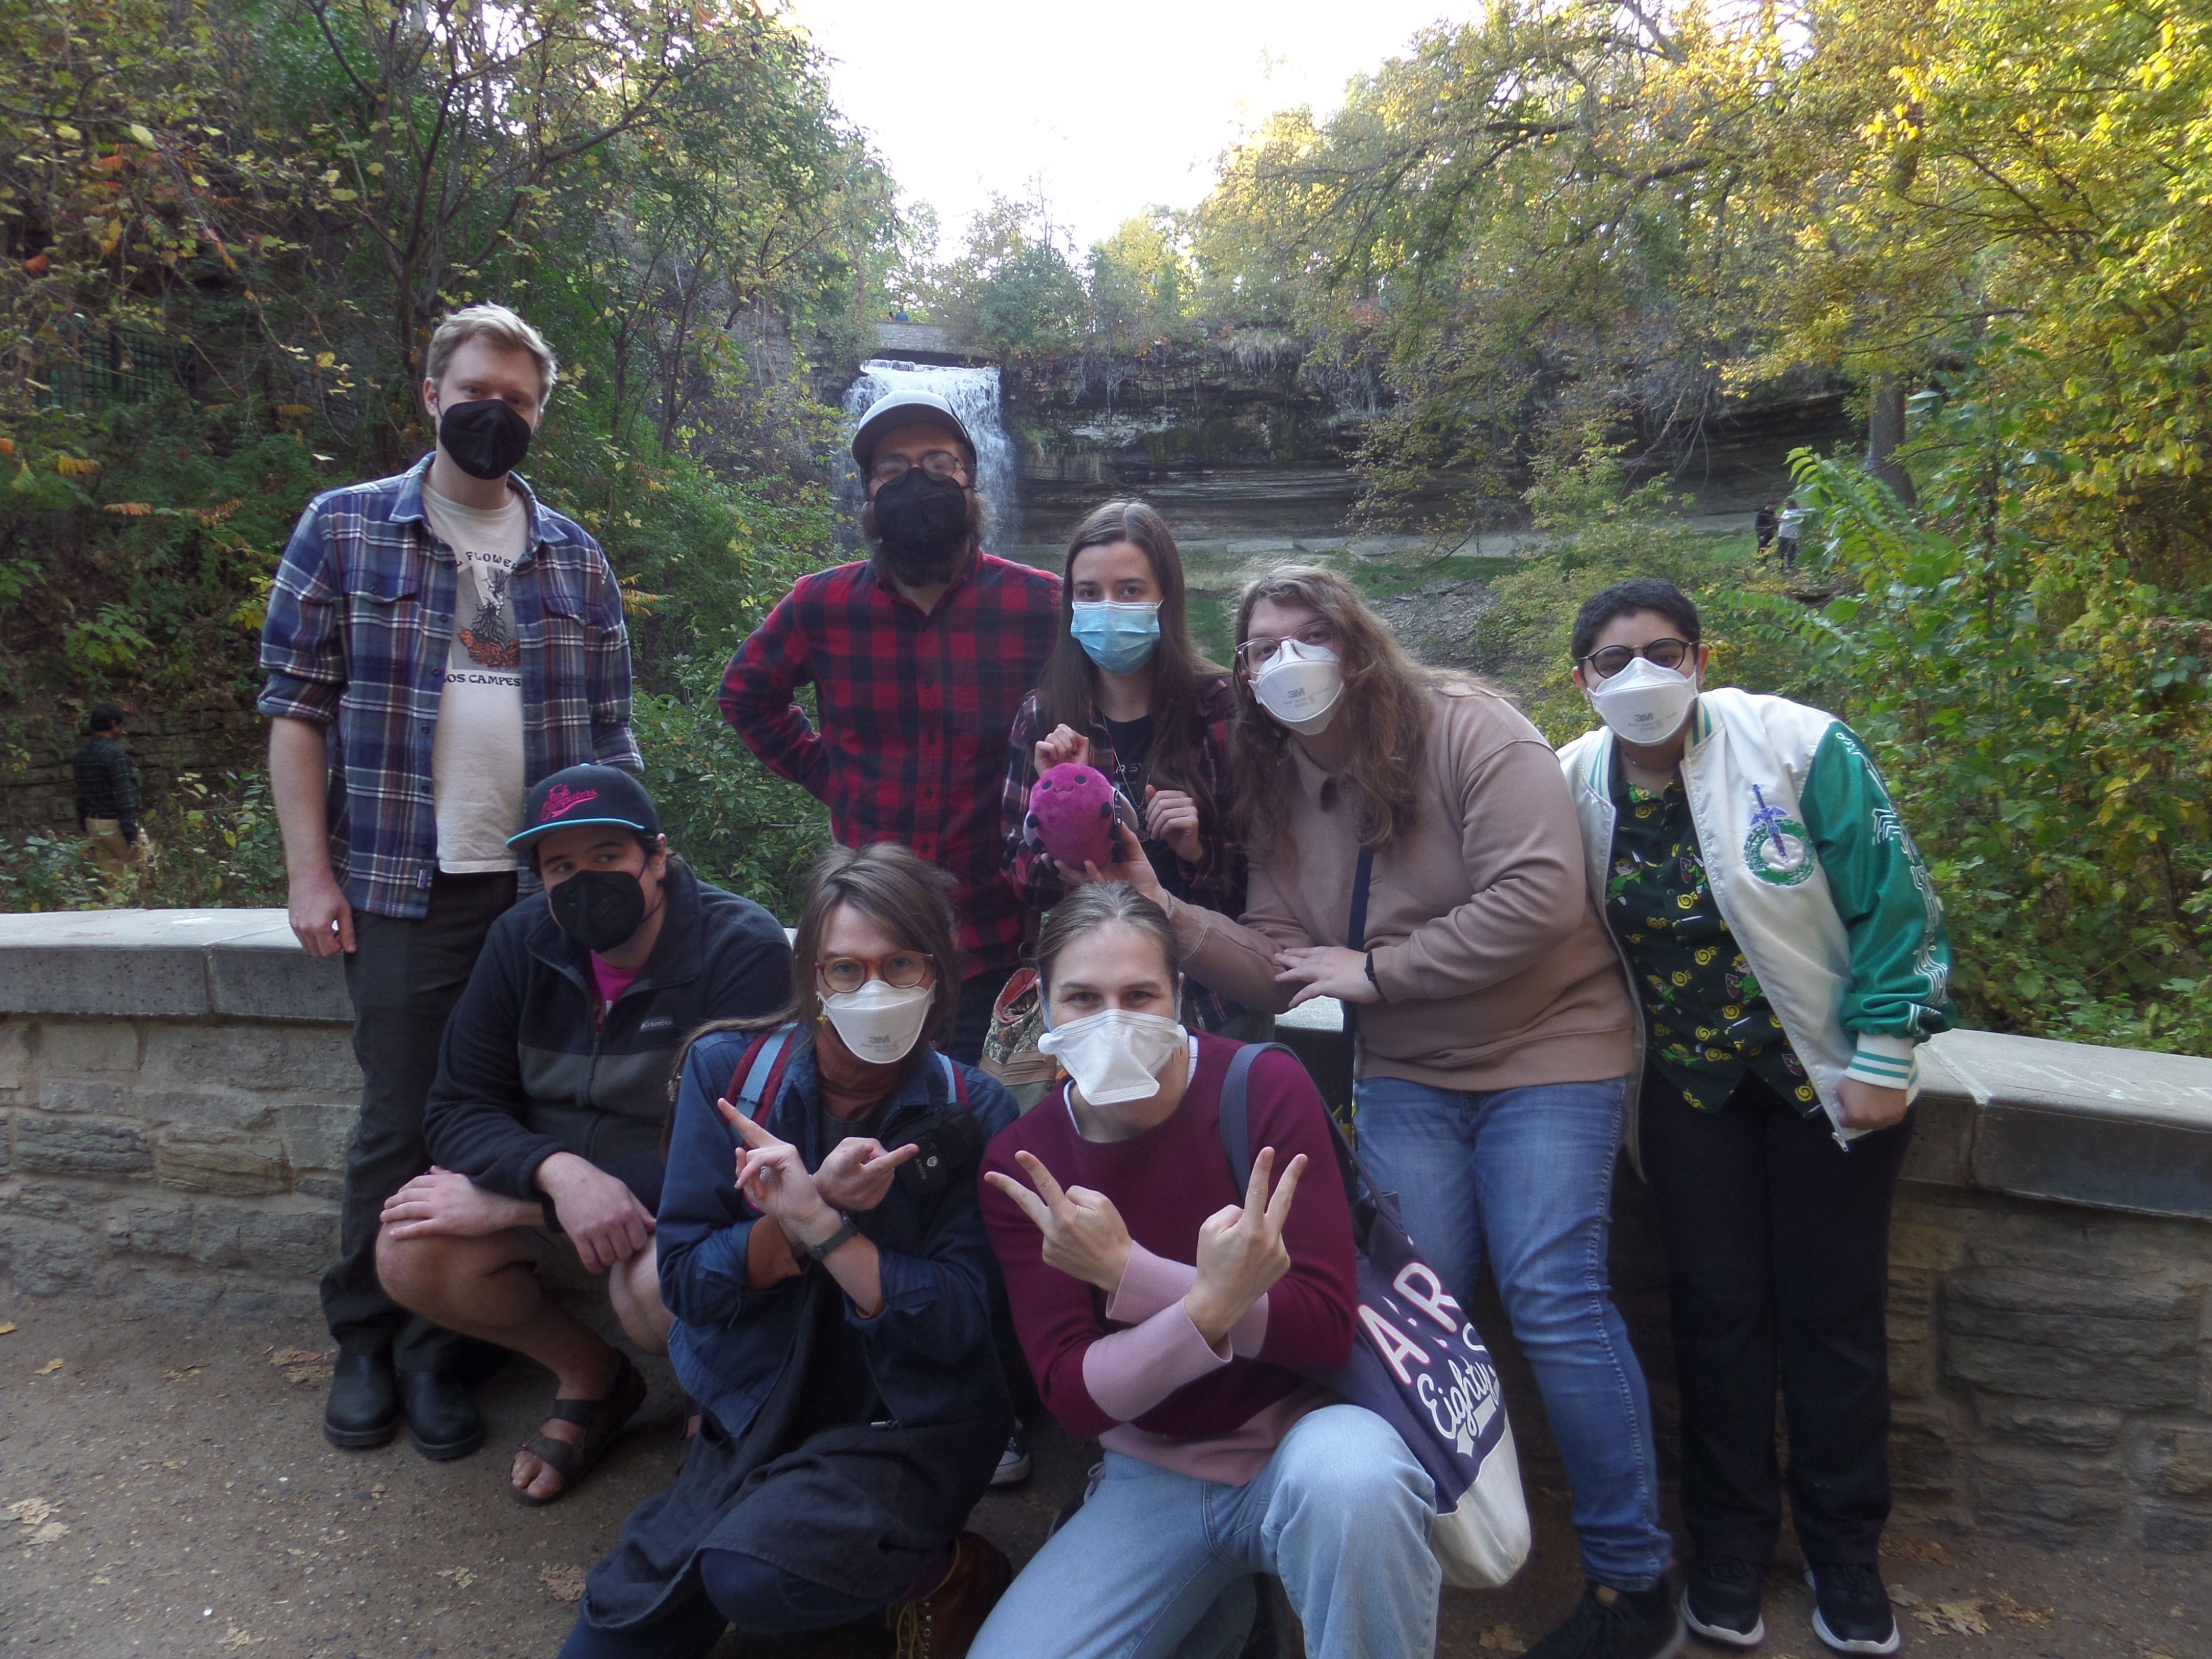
{"x":1901,"y":953}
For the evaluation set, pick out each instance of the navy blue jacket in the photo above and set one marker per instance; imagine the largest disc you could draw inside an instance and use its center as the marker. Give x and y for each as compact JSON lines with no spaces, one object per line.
{"x":529,"y":1066}
{"x":929,"y":1348}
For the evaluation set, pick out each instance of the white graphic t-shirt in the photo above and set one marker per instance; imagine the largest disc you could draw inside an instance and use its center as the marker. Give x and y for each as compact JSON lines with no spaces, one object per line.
{"x":476,"y":762}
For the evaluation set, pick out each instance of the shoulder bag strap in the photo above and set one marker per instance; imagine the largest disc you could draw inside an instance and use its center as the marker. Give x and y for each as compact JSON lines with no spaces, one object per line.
{"x":763,"y":1069}
{"x":1356,"y":938}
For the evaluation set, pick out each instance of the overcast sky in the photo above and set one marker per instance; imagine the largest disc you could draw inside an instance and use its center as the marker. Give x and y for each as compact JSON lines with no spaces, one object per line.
{"x":1116,"y":106}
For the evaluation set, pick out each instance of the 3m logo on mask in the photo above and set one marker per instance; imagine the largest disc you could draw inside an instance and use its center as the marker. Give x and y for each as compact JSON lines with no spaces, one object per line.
{"x":1457,"y":1385}
{"x":1777,"y":850}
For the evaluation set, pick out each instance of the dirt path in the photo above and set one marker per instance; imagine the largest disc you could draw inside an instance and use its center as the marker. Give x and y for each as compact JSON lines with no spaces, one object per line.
{"x":166,"y":1491}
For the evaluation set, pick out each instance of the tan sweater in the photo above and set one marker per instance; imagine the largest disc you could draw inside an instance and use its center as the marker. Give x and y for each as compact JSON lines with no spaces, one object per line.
{"x":1495,"y":971}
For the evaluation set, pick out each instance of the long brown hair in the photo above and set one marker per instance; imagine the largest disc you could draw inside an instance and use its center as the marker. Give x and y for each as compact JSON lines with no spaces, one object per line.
{"x":1385,"y":702}
{"x":1067,"y":689}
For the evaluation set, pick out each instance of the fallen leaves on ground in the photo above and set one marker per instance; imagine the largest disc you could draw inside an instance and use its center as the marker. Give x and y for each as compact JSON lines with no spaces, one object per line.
{"x":1500,"y":1638}
{"x":235,"y":1637}
{"x":2021,"y":1613}
{"x":1960,"y":1618}
{"x":7,"y":1328}
{"x":462,"y":1577}
{"x":178,"y":1377}
{"x":566,"y":1584}
{"x":1916,"y":1552}
{"x":37,"y":1514}
{"x":48,"y":1369}
{"x":304,"y":1365}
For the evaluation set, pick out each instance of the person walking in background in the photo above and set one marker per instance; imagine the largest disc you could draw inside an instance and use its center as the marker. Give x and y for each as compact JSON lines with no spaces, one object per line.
{"x":1763,"y":524}
{"x":437,"y":643}
{"x":544,"y":1124}
{"x":1126,"y":691}
{"x":1787,"y":951}
{"x":920,"y":655}
{"x":1790,"y":533}
{"x":107,"y":797}
{"x":832,"y":1294}
{"x":1413,"y":855}
{"x":1175,"y":1314}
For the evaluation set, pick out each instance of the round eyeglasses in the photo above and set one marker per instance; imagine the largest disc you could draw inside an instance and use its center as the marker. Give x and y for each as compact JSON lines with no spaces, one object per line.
{"x":1660,"y":653}
{"x":1257,"y":652}
{"x":900,"y":970}
{"x":938,"y":463}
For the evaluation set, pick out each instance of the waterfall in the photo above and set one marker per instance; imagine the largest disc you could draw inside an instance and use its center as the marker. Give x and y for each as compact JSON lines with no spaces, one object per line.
{"x":974,"y":395}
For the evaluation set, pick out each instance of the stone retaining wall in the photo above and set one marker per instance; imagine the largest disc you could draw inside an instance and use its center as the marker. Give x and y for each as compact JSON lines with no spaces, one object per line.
{"x":176,"y":1088}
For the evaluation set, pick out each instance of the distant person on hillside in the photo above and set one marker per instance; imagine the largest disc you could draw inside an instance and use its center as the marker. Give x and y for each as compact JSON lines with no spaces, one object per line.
{"x":1125,"y":690}
{"x":1788,"y":950}
{"x":919,"y":656}
{"x":1790,"y":533}
{"x":1763,"y":524}
{"x":107,"y":796}
{"x":544,"y":1124}
{"x":437,"y":642}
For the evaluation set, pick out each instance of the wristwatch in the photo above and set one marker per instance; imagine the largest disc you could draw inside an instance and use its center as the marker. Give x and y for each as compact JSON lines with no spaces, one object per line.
{"x":847,"y":1228}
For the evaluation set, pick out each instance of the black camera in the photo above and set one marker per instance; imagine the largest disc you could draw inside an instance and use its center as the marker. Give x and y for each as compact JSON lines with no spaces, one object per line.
{"x":951,"y":1140}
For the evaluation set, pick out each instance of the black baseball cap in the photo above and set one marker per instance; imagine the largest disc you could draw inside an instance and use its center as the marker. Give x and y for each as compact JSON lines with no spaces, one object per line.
{"x":586,"y":794}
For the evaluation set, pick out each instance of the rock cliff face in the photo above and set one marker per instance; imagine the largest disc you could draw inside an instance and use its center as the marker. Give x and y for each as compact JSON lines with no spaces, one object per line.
{"x":1239,"y":436}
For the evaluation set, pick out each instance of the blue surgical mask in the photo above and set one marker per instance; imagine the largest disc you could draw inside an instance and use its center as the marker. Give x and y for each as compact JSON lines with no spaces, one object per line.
{"x":1120,"y":638}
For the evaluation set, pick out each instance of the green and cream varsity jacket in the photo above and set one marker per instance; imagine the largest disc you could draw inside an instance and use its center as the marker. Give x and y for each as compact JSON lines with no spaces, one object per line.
{"x":1815,"y":873}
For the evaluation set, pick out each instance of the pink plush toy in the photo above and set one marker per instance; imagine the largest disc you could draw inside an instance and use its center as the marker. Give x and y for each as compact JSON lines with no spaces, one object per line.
{"x":1072,"y":813}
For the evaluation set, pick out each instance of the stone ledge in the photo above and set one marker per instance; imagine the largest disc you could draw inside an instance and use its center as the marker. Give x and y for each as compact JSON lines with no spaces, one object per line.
{"x":237,"y":964}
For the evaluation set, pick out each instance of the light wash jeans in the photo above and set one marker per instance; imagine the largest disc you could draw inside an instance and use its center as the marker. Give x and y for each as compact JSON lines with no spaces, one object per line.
{"x":1159,"y":1563}
{"x":1525,"y":1175}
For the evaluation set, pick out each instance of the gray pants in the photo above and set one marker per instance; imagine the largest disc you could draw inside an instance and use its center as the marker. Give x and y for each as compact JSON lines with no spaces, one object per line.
{"x":405,"y":978}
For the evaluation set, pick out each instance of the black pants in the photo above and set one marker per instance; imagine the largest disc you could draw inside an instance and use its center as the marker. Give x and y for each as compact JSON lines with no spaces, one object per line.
{"x":744,"y":1590}
{"x":1777,"y":1252}
{"x":404,"y":977}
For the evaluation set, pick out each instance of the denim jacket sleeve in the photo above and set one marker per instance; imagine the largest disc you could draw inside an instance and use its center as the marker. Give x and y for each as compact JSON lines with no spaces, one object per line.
{"x":937,"y":1296}
{"x":704,"y":1231}
{"x":303,"y":638}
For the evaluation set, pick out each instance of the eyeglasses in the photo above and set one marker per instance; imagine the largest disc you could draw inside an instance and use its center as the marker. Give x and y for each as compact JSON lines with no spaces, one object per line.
{"x":1660,"y":653}
{"x":938,"y":463}
{"x":1256,"y":652}
{"x":841,"y":975}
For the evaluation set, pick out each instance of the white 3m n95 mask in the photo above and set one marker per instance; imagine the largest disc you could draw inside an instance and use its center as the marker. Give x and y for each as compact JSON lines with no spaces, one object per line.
{"x":1117,"y":1056}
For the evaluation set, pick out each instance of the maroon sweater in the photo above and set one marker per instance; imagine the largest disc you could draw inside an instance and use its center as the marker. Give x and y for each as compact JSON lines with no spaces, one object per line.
{"x":1166,"y":1182}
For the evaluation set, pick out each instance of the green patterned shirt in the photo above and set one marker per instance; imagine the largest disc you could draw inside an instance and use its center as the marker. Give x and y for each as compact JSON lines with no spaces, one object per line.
{"x":1707,"y":1020}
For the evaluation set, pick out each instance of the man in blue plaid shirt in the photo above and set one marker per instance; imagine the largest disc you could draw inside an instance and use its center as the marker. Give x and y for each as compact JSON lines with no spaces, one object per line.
{"x":437,"y":643}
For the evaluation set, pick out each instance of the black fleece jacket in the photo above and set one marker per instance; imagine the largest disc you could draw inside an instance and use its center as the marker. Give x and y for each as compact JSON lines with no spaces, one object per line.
{"x":529,"y":1068}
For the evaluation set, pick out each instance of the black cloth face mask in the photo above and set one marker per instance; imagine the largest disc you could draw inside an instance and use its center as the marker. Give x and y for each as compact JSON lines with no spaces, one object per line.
{"x":486,"y":438}
{"x":598,"y":908}
{"x":922,"y":523}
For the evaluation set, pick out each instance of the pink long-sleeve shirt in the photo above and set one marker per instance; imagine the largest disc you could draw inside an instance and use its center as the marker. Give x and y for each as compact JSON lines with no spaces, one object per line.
{"x":1132,"y":1369}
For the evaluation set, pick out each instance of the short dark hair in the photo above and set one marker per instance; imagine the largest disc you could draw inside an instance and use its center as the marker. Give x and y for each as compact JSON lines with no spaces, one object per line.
{"x":1625,"y":600}
{"x":106,"y":716}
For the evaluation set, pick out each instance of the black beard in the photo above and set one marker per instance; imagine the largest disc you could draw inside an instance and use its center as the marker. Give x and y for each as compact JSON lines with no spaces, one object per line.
{"x":913,"y":568}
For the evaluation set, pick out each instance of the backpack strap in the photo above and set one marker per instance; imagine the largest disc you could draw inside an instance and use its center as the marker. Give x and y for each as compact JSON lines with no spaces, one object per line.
{"x":758,"y":1080}
{"x":1236,"y":1116}
{"x":956,"y":1080}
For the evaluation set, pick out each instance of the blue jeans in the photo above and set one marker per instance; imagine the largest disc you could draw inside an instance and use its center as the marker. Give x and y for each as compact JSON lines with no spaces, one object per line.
{"x":1525,"y":1175}
{"x":1158,"y":1563}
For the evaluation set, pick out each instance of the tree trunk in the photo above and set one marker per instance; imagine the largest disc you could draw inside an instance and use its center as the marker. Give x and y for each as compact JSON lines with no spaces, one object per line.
{"x":1885,"y":432}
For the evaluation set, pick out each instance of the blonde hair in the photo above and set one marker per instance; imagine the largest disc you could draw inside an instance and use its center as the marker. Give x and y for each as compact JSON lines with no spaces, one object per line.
{"x":502,"y":327}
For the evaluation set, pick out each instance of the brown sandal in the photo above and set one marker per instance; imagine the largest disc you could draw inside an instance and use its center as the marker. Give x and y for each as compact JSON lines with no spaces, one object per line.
{"x":601,"y":1420}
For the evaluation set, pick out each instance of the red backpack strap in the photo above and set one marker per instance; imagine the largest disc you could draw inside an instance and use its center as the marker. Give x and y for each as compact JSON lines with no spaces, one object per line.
{"x":955,"y":1076}
{"x":758,"y":1080}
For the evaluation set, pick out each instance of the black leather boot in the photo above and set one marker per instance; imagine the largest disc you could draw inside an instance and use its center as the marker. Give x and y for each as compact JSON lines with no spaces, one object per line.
{"x":364,"y":1404}
{"x":442,"y":1418}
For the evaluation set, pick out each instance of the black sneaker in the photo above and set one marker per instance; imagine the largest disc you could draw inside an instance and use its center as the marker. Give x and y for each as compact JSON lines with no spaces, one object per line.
{"x":1014,"y":1464}
{"x":1639,"y":1625}
{"x":1722,"y":1602}
{"x":1851,"y":1613}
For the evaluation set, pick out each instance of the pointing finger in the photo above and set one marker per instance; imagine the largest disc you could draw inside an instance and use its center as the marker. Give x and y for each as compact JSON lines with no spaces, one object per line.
{"x":1278,"y":1206}
{"x":1041,"y":1178}
{"x":1024,"y":1200}
{"x":891,"y":1160}
{"x":1255,"y":1188}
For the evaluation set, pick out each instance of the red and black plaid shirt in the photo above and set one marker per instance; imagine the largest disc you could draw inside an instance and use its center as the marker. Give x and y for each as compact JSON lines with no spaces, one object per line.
{"x":914,"y":709}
